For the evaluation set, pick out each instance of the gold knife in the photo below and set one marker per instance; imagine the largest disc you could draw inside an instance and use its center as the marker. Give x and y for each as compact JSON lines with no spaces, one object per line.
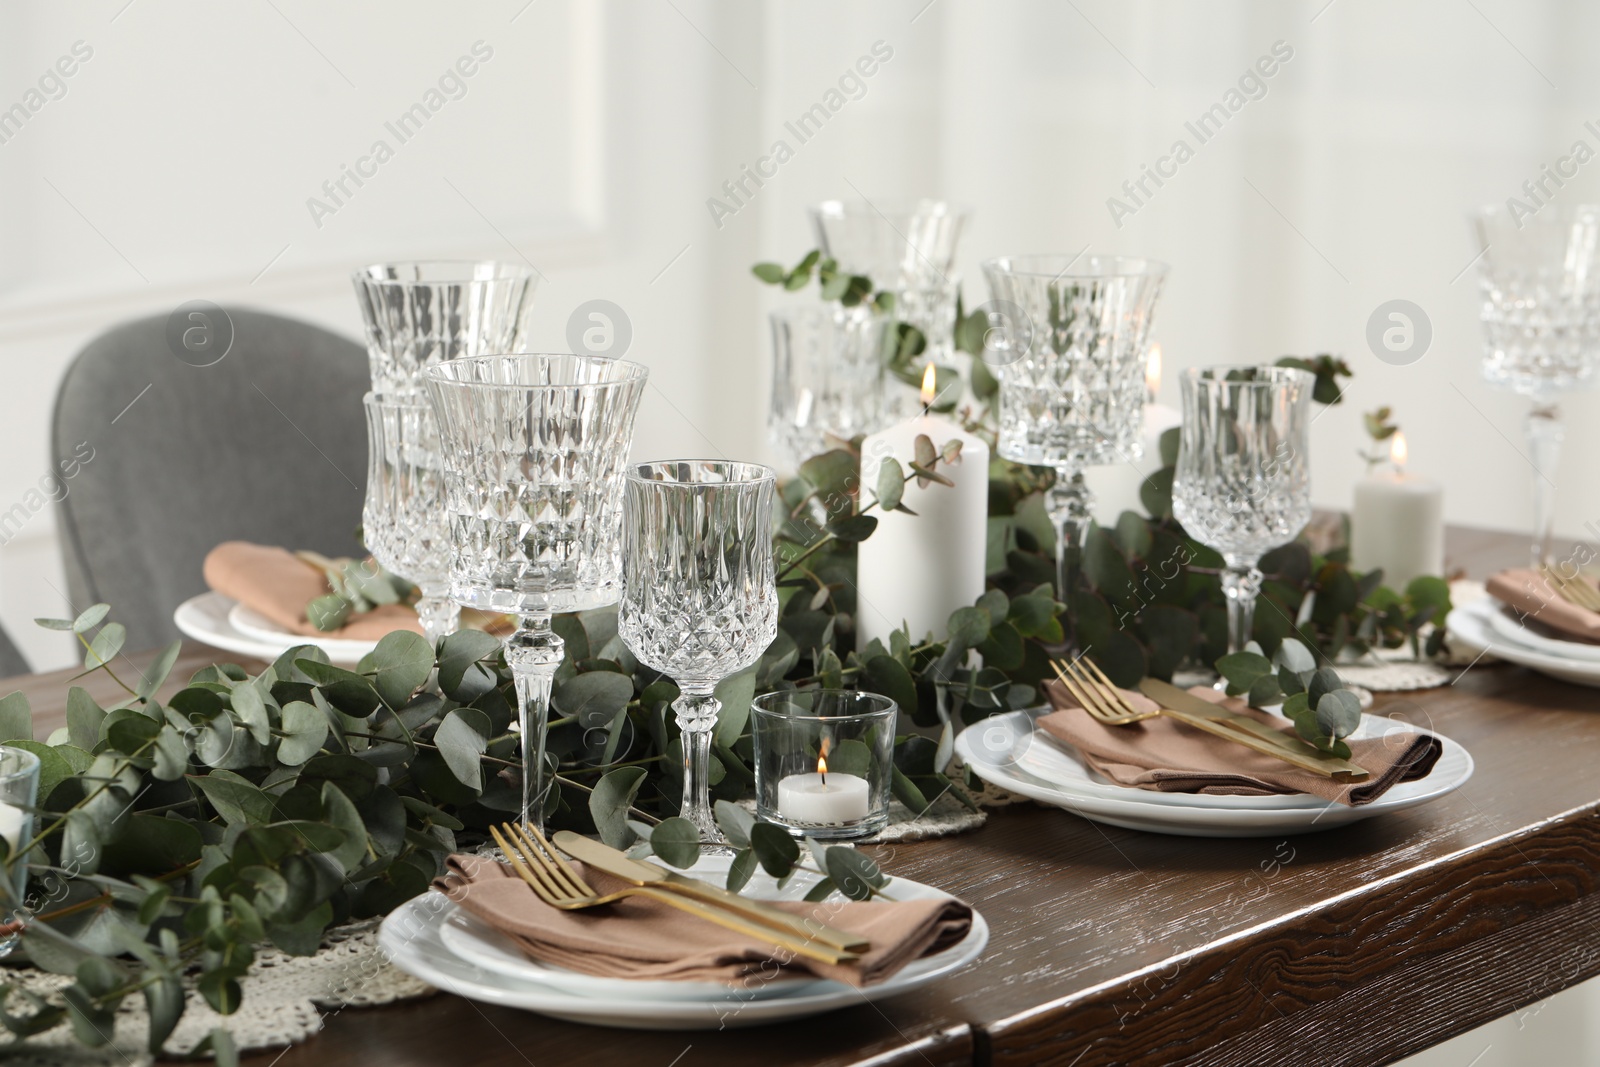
{"x":1257,"y":735}
{"x":603,"y":857}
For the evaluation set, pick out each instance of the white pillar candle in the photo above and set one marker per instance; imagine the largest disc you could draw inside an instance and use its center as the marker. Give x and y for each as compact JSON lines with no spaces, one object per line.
{"x":1397,"y":523}
{"x":12,"y":820}
{"x":918,"y":569}
{"x":822,"y":799}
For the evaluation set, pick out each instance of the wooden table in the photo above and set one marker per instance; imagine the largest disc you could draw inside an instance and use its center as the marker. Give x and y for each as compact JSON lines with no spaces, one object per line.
{"x":1351,"y":946}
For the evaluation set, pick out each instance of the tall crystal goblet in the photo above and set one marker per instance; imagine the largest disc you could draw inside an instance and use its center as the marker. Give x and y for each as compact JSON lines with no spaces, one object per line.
{"x":1068,"y":339}
{"x":417,"y":314}
{"x":534,"y":450}
{"x":827,"y":378}
{"x":909,"y":249}
{"x":403,"y":518}
{"x":699,"y":596}
{"x":1541,"y":325}
{"x":1243,"y":481}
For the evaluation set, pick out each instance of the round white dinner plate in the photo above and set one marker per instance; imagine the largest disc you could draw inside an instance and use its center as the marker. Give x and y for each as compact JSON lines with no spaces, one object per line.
{"x":210,"y":618}
{"x":1503,"y":622}
{"x":413,"y":938}
{"x":1010,"y":752}
{"x":1471,"y":625}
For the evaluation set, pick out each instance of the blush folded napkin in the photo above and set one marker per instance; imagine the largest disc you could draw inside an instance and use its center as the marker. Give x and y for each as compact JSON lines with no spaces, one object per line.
{"x":279,"y":585}
{"x":640,"y":938}
{"x":1166,"y":755}
{"x":1527,"y":593}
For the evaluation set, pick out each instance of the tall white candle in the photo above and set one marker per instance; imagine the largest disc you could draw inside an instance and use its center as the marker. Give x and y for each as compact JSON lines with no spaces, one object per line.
{"x":917,"y":569}
{"x":1397,"y":523}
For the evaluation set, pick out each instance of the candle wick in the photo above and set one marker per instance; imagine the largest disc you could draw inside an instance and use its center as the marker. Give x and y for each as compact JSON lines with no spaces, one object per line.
{"x":824,"y":776}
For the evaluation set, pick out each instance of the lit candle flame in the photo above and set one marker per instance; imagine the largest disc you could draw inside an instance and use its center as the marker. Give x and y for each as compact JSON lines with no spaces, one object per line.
{"x":1397,"y":450}
{"x":1152,"y":371}
{"x":822,"y":757}
{"x":930,"y":385}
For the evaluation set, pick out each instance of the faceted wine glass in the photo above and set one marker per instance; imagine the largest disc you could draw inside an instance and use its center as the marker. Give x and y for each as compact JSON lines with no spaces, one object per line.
{"x":422,"y":313}
{"x":1541,"y":325}
{"x":827,"y":378}
{"x":699,"y":596}
{"x":403,"y":519}
{"x":1243,"y":481}
{"x":1068,"y":336}
{"x":534,"y":450}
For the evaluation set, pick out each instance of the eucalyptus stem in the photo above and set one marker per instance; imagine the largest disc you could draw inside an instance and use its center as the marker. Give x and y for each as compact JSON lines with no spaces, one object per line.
{"x":651,"y":819}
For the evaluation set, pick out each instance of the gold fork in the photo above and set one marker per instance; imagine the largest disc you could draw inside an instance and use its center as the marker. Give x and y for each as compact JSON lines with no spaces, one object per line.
{"x":1572,"y":588}
{"x":1106,"y":703}
{"x":558,"y":885}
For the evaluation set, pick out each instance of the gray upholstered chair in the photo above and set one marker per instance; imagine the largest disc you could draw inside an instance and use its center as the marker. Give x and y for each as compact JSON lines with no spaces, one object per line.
{"x":266,"y":445}
{"x":12,"y":661}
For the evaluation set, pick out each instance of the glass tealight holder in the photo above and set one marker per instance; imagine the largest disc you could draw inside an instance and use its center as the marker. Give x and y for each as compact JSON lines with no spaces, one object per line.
{"x":824,"y":758}
{"x":19,"y":795}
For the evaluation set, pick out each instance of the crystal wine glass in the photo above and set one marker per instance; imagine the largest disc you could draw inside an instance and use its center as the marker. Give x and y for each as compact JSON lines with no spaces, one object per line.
{"x":827,"y":378}
{"x":699,"y":596}
{"x":421,"y":313}
{"x":908,"y":249}
{"x":403,"y":519}
{"x":1243,"y":482}
{"x":1541,"y":324}
{"x":534,"y":450}
{"x":1069,"y":342}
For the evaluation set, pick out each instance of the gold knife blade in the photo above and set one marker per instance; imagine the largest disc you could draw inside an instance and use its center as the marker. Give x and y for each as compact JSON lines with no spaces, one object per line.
{"x":604,"y":857}
{"x":1293,"y":749}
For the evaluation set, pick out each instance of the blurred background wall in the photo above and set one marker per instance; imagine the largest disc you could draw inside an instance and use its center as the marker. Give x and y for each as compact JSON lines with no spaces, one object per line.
{"x":185,"y":157}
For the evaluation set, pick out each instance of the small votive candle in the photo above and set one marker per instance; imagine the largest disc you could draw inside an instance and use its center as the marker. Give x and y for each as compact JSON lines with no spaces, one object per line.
{"x":824,"y":758}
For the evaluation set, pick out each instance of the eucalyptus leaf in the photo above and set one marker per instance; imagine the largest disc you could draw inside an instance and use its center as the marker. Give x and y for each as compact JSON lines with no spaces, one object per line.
{"x":776,"y":851}
{"x":890,"y":486}
{"x":462,"y":742}
{"x":734,"y":822}
{"x":609,"y":803}
{"x":16,"y":719}
{"x":677,"y":841}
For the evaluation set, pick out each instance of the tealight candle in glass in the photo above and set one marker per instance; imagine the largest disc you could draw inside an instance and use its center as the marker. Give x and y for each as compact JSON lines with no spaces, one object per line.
{"x":19,"y":795}
{"x":823,"y":759}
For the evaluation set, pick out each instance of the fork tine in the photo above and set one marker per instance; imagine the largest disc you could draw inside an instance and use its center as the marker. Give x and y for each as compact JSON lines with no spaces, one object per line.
{"x":540,"y":889}
{"x":1109,"y":689}
{"x":557,"y":866}
{"x":1093,"y":686}
{"x":536,"y":857}
{"x":1077,"y":685}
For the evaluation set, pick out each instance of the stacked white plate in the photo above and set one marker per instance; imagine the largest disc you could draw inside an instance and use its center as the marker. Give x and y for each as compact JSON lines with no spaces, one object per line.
{"x":1487,"y":625}
{"x":225,"y":623}
{"x":1010,"y":751}
{"x":433,"y":939}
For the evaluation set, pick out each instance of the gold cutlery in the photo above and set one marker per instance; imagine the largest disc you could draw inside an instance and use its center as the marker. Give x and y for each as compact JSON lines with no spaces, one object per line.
{"x":558,"y":885}
{"x":605,"y":858}
{"x":1106,"y":703}
{"x":1574,"y":589}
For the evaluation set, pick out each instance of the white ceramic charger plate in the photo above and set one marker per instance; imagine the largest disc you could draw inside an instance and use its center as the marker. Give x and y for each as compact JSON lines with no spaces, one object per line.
{"x":1472,"y":626}
{"x":415,"y":937}
{"x":1010,"y":752}
{"x":222,"y":622}
{"x":1504,"y":623}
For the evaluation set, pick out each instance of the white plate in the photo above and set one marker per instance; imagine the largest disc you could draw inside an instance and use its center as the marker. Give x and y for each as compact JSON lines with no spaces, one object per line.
{"x":411,"y":939}
{"x":1503,"y":622}
{"x":209,"y":618}
{"x":1471,"y":625}
{"x":1009,"y":751}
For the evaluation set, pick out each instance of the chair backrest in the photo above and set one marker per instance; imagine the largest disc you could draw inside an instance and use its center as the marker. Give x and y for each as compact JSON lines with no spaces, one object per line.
{"x":12,"y":662}
{"x":162,"y":459}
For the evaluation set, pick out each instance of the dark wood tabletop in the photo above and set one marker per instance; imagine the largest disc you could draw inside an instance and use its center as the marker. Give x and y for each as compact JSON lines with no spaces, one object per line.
{"x":1356,"y":945}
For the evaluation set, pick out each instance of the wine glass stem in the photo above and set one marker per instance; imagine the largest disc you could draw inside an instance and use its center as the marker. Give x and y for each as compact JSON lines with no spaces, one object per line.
{"x":1241,"y":582}
{"x":697,"y":716}
{"x":533,"y":653}
{"x":440,"y":615}
{"x":1544,"y":450}
{"x":1069,"y":502}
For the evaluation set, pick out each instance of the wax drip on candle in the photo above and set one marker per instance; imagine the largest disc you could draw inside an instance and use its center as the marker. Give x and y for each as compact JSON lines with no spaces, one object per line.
{"x":1152,"y":372}
{"x":1397,"y":452}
